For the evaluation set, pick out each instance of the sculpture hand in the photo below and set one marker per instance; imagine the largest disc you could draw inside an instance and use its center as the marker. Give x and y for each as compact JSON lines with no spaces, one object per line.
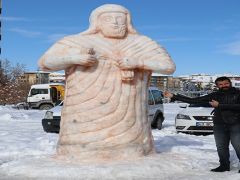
{"x":126,"y":63}
{"x":127,"y":75}
{"x":87,"y":60}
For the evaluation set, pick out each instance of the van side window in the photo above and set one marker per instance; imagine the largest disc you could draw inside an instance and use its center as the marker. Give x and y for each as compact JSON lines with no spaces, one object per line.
{"x":39,"y":91}
{"x":157,"y":96}
{"x":150,"y":98}
{"x":43,"y":91}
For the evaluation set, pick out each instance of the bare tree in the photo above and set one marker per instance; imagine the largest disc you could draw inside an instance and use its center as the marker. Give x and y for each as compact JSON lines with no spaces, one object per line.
{"x":11,"y":90}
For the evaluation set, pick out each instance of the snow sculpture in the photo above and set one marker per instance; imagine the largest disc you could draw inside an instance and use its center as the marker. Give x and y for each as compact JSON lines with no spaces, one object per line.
{"x":107,"y":68}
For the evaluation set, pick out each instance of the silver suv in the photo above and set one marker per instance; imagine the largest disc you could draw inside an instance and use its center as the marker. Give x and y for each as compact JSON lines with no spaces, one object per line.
{"x":51,"y":121}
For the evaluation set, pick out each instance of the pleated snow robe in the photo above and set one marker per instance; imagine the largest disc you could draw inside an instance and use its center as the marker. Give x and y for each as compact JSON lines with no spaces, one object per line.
{"x":105,"y":117}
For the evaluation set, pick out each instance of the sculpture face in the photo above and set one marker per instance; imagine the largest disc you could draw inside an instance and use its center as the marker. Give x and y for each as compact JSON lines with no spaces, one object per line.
{"x":113,"y":24}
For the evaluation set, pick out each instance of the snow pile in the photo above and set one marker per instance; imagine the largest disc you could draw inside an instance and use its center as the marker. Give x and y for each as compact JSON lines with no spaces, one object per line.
{"x":5,"y":117}
{"x":27,"y":152}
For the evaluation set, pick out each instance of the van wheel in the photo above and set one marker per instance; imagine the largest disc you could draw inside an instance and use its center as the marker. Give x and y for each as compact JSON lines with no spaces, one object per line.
{"x":159,"y":122}
{"x":46,"y":107}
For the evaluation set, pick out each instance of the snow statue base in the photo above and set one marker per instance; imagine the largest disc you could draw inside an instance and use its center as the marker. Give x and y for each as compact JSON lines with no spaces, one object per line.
{"x":141,"y":169}
{"x":107,"y":68}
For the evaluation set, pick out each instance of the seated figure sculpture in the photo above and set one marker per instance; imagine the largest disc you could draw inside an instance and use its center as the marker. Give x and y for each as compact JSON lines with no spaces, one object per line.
{"x":107,"y":68}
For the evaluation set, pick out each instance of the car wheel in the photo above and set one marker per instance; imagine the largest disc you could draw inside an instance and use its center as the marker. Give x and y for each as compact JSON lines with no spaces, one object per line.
{"x":21,"y":106}
{"x":159,"y":122}
{"x":46,"y":107}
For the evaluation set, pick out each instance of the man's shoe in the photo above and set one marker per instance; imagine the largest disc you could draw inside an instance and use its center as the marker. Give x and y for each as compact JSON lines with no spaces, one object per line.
{"x":221,"y":168}
{"x":239,"y":171}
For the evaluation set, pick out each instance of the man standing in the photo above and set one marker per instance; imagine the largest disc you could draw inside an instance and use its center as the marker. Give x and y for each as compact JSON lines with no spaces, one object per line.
{"x":226,"y":103}
{"x":108,"y":68}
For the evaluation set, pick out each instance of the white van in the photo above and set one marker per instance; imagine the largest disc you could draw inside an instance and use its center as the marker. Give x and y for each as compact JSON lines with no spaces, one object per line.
{"x":45,"y":96}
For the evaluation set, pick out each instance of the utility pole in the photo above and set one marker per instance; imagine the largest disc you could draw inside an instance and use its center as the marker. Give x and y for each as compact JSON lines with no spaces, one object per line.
{"x":0,"y":24}
{"x":1,"y":72}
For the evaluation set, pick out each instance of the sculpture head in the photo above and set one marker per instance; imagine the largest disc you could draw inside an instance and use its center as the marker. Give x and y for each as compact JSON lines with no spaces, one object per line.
{"x":112,"y":24}
{"x":111,"y":20}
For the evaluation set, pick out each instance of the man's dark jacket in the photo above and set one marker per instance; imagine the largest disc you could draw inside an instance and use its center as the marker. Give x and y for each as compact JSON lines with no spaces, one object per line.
{"x":228,"y":111}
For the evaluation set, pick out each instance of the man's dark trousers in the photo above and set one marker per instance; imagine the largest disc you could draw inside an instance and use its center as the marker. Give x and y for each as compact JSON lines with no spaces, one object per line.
{"x":224,"y":134}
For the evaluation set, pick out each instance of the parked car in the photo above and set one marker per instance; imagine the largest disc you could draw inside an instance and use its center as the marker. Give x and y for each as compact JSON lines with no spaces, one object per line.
{"x":195,"y":118}
{"x":155,"y":107}
{"x":51,"y":120}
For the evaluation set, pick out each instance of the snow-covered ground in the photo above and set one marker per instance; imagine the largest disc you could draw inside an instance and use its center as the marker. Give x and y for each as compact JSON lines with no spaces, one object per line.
{"x":27,"y":152}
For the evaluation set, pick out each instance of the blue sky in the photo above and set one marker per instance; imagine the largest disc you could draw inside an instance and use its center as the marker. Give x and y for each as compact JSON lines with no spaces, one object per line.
{"x":202,"y":36}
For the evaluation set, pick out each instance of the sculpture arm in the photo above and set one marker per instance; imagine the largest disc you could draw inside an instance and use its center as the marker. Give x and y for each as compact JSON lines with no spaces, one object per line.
{"x":144,"y":53}
{"x":62,"y":56}
{"x":158,"y":60}
{"x":55,"y":63}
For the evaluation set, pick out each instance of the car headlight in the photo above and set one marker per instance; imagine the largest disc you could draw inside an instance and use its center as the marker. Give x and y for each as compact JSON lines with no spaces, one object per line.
{"x":183,"y":116}
{"x":48,"y":115}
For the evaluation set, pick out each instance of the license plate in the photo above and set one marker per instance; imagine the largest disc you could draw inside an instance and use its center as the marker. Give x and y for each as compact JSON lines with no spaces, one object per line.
{"x":204,"y":124}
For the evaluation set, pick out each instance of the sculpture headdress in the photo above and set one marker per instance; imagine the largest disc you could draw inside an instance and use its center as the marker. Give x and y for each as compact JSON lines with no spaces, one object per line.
{"x":93,"y":20}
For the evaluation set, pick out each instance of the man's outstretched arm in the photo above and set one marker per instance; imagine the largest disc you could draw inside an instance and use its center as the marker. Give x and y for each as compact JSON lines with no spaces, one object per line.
{"x":196,"y":100}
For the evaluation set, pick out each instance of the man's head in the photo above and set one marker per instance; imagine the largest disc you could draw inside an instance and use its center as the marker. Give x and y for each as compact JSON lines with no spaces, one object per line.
{"x":111,"y":20}
{"x":223,"y":83}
